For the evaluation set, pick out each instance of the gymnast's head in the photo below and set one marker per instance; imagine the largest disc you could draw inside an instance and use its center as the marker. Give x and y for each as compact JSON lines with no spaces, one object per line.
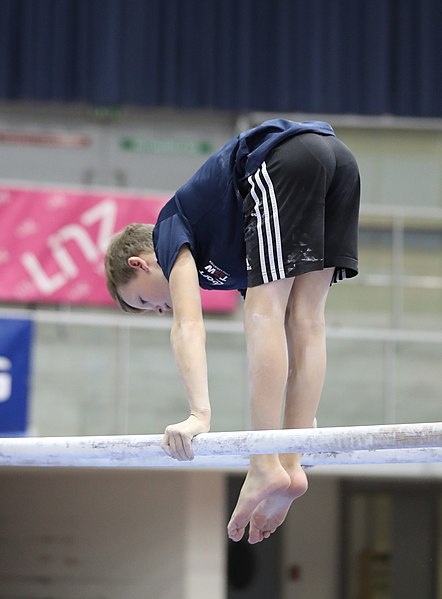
{"x":134,"y":278}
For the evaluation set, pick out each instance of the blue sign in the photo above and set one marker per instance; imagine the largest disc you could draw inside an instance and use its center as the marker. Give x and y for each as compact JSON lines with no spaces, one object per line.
{"x":15,"y":371}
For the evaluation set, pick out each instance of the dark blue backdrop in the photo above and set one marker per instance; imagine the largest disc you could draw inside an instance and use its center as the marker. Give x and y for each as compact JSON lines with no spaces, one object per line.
{"x":327,"y":56}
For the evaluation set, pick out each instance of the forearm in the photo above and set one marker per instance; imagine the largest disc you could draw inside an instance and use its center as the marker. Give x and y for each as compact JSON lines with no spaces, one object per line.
{"x":188,"y":340}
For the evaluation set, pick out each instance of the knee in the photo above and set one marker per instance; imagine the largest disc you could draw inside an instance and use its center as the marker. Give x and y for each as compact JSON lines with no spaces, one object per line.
{"x":261,"y":308}
{"x":305,"y":325}
{"x":260,"y":321}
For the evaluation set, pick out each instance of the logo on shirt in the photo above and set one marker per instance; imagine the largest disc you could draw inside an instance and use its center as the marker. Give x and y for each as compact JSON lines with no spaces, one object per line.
{"x":214,"y":274}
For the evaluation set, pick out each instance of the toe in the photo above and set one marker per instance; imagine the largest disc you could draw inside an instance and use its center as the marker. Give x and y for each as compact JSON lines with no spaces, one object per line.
{"x":235,"y":534}
{"x":255,"y":535}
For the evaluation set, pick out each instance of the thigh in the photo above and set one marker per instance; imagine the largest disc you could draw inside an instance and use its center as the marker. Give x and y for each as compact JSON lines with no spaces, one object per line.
{"x":308,"y":296}
{"x":305,"y":308}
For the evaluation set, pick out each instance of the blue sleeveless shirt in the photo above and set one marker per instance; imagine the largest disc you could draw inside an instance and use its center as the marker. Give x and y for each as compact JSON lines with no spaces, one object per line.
{"x":206,"y":212}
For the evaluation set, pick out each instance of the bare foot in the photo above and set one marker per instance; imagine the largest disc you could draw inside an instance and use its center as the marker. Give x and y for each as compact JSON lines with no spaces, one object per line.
{"x":260,"y":484}
{"x":272,"y":511}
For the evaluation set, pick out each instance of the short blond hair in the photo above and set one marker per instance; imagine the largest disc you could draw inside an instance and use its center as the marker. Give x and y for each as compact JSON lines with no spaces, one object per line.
{"x":133,"y":240}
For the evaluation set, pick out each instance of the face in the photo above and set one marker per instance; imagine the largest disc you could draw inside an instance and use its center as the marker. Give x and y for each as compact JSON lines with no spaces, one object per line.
{"x":148,"y":289}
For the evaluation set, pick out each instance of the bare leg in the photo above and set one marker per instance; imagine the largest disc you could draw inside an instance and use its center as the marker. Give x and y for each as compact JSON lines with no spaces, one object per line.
{"x":305,"y":329}
{"x":264,"y":320}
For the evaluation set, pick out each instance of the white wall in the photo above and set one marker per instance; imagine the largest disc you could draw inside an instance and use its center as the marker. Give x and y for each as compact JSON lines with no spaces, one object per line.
{"x":108,"y":535}
{"x":311,"y":542}
{"x":205,"y":537}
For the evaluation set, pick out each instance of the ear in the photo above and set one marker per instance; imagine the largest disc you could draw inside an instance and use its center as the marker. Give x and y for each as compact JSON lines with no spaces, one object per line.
{"x":137,"y":262}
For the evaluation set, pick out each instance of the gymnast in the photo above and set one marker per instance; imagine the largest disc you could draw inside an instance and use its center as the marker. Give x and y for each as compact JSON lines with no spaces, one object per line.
{"x":274,"y":214}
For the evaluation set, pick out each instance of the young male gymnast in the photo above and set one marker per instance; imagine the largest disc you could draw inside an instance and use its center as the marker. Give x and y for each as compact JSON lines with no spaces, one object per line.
{"x":274,"y":214}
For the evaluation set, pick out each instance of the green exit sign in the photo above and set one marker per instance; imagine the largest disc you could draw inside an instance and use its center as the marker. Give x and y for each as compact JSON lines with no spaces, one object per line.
{"x":159,"y":145}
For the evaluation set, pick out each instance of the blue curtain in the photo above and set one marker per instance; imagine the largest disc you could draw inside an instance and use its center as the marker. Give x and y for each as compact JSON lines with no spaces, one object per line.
{"x":326,"y":56}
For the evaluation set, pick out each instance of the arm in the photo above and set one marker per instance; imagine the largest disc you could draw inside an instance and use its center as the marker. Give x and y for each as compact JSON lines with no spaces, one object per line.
{"x":188,"y":339}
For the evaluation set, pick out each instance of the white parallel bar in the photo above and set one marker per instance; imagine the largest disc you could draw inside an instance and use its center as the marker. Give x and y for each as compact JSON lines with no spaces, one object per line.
{"x":377,"y":457}
{"x":146,"y":449}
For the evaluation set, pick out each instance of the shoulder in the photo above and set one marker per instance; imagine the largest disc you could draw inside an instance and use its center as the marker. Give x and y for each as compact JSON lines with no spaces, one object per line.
{"x":171,"y":232}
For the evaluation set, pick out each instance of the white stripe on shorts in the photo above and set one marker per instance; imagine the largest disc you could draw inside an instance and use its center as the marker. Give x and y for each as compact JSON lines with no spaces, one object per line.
{"x":259,"y":231}
{"x":270,"y":209}
{"x":275,"y":221}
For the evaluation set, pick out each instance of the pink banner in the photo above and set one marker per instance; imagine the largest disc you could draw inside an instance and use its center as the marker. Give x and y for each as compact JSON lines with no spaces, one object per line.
{"x":52,"y":244}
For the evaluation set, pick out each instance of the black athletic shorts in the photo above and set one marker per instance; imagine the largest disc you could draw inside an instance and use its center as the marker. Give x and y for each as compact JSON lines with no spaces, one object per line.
{"x":301,"y":211}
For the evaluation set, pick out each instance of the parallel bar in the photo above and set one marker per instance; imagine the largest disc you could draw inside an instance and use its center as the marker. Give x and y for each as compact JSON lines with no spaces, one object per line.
{"x":331,"y":439}
{"x":337,"y":443}
{"x":380,"y":456}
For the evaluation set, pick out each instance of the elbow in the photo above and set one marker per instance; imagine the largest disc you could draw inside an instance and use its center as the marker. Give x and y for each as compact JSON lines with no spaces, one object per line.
{"x":186,"y":331}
